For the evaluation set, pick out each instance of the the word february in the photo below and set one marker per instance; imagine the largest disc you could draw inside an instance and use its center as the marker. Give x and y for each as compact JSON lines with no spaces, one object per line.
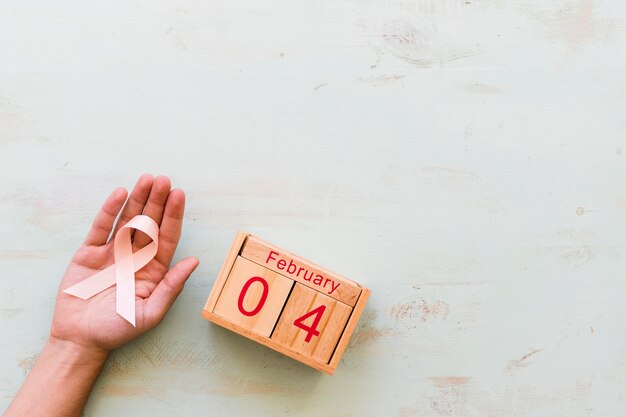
{"x":294,"y":269}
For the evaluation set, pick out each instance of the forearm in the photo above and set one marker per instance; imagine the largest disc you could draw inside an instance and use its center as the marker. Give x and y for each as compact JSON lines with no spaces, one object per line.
{"x":60,"y":382}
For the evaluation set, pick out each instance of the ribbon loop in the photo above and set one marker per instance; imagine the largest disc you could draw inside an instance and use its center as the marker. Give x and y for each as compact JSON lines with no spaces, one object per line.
{"x":122,"y":272}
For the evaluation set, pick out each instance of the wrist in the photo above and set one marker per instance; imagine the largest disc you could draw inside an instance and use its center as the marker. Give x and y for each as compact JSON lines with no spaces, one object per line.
{"x":71,"y":354}
{"x":60,"y":381}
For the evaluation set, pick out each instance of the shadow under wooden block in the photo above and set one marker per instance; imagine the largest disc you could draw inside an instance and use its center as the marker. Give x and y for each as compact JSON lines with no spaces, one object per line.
{"x":311,"y":323}
{"x":253,"y":296}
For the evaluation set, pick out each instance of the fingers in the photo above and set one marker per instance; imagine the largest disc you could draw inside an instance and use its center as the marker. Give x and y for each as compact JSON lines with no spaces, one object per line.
{"x":103,"y":223}
{"x":167,"y":290}
{"x":155,"y":206}
{"x":171,"y":226}
{"x":137,"y":200}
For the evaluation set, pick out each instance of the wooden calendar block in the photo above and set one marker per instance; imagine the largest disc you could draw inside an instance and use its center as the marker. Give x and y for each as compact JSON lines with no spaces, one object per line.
{"x":253,"y":296}
{"x":311,"y":323}
{"x":285,"y":302}
{"x":301,"y":270}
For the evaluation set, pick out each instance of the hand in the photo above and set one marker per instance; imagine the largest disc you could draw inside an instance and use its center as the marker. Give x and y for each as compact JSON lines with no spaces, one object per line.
{"x":93,"y":324}
{"x":85,"y":331}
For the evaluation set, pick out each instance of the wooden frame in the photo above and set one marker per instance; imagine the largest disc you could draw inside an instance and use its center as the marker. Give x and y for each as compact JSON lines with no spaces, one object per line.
{"x":360,"y":299}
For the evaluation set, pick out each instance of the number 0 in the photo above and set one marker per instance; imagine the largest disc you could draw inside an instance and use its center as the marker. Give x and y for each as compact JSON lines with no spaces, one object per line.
{"x":244,"y":291}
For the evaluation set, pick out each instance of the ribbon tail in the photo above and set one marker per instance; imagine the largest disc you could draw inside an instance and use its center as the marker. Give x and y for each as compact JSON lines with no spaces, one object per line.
{"x":125,"y":282}
{"x":93,"y":285}
{"x":125,"y":270}
{"x":126,"y":310}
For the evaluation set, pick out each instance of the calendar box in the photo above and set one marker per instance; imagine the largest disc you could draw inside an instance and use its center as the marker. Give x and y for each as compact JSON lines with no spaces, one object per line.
{"x":285,"y":302}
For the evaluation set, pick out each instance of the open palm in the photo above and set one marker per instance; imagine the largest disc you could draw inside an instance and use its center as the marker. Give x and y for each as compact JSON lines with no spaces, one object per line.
{"x":94,"y":323}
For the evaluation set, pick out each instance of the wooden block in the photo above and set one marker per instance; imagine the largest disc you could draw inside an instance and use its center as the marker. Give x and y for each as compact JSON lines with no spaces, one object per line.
{"x":253,"y":296}
{"x":272,"y":344}
{"x":311,"y":323}
{"x":343,"y":300}
{"x":347,"y":332}
{"x":233,"y":252}
{"x":301,"y":270}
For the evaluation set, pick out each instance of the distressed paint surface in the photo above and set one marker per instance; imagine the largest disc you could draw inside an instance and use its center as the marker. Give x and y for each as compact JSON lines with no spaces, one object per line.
{"x":463,"y":159}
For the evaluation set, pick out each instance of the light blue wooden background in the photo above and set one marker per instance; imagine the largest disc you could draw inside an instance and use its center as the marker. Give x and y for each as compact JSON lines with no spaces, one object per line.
{"x":463,"y":159}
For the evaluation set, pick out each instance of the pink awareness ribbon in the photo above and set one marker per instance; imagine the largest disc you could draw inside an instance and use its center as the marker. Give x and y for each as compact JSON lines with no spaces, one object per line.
{"x":122,"y":272}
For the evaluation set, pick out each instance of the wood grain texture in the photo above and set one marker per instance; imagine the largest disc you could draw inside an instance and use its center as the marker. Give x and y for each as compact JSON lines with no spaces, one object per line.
{"x":301,"y":270}
{"x":257,"y":303}
{"x":267,"y":342}
{"x":268,"y":295}
{"x":227,"y":266}
{"x":333,"y":319}
{"x":348,"y":331}
{"x":465,"y":160}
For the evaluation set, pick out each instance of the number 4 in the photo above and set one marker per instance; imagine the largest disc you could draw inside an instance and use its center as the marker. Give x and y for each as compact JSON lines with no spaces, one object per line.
{"x":312,"y":330}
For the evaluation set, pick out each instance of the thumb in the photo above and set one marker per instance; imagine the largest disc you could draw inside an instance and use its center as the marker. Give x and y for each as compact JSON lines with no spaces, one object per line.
{"x":167,"y":290}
